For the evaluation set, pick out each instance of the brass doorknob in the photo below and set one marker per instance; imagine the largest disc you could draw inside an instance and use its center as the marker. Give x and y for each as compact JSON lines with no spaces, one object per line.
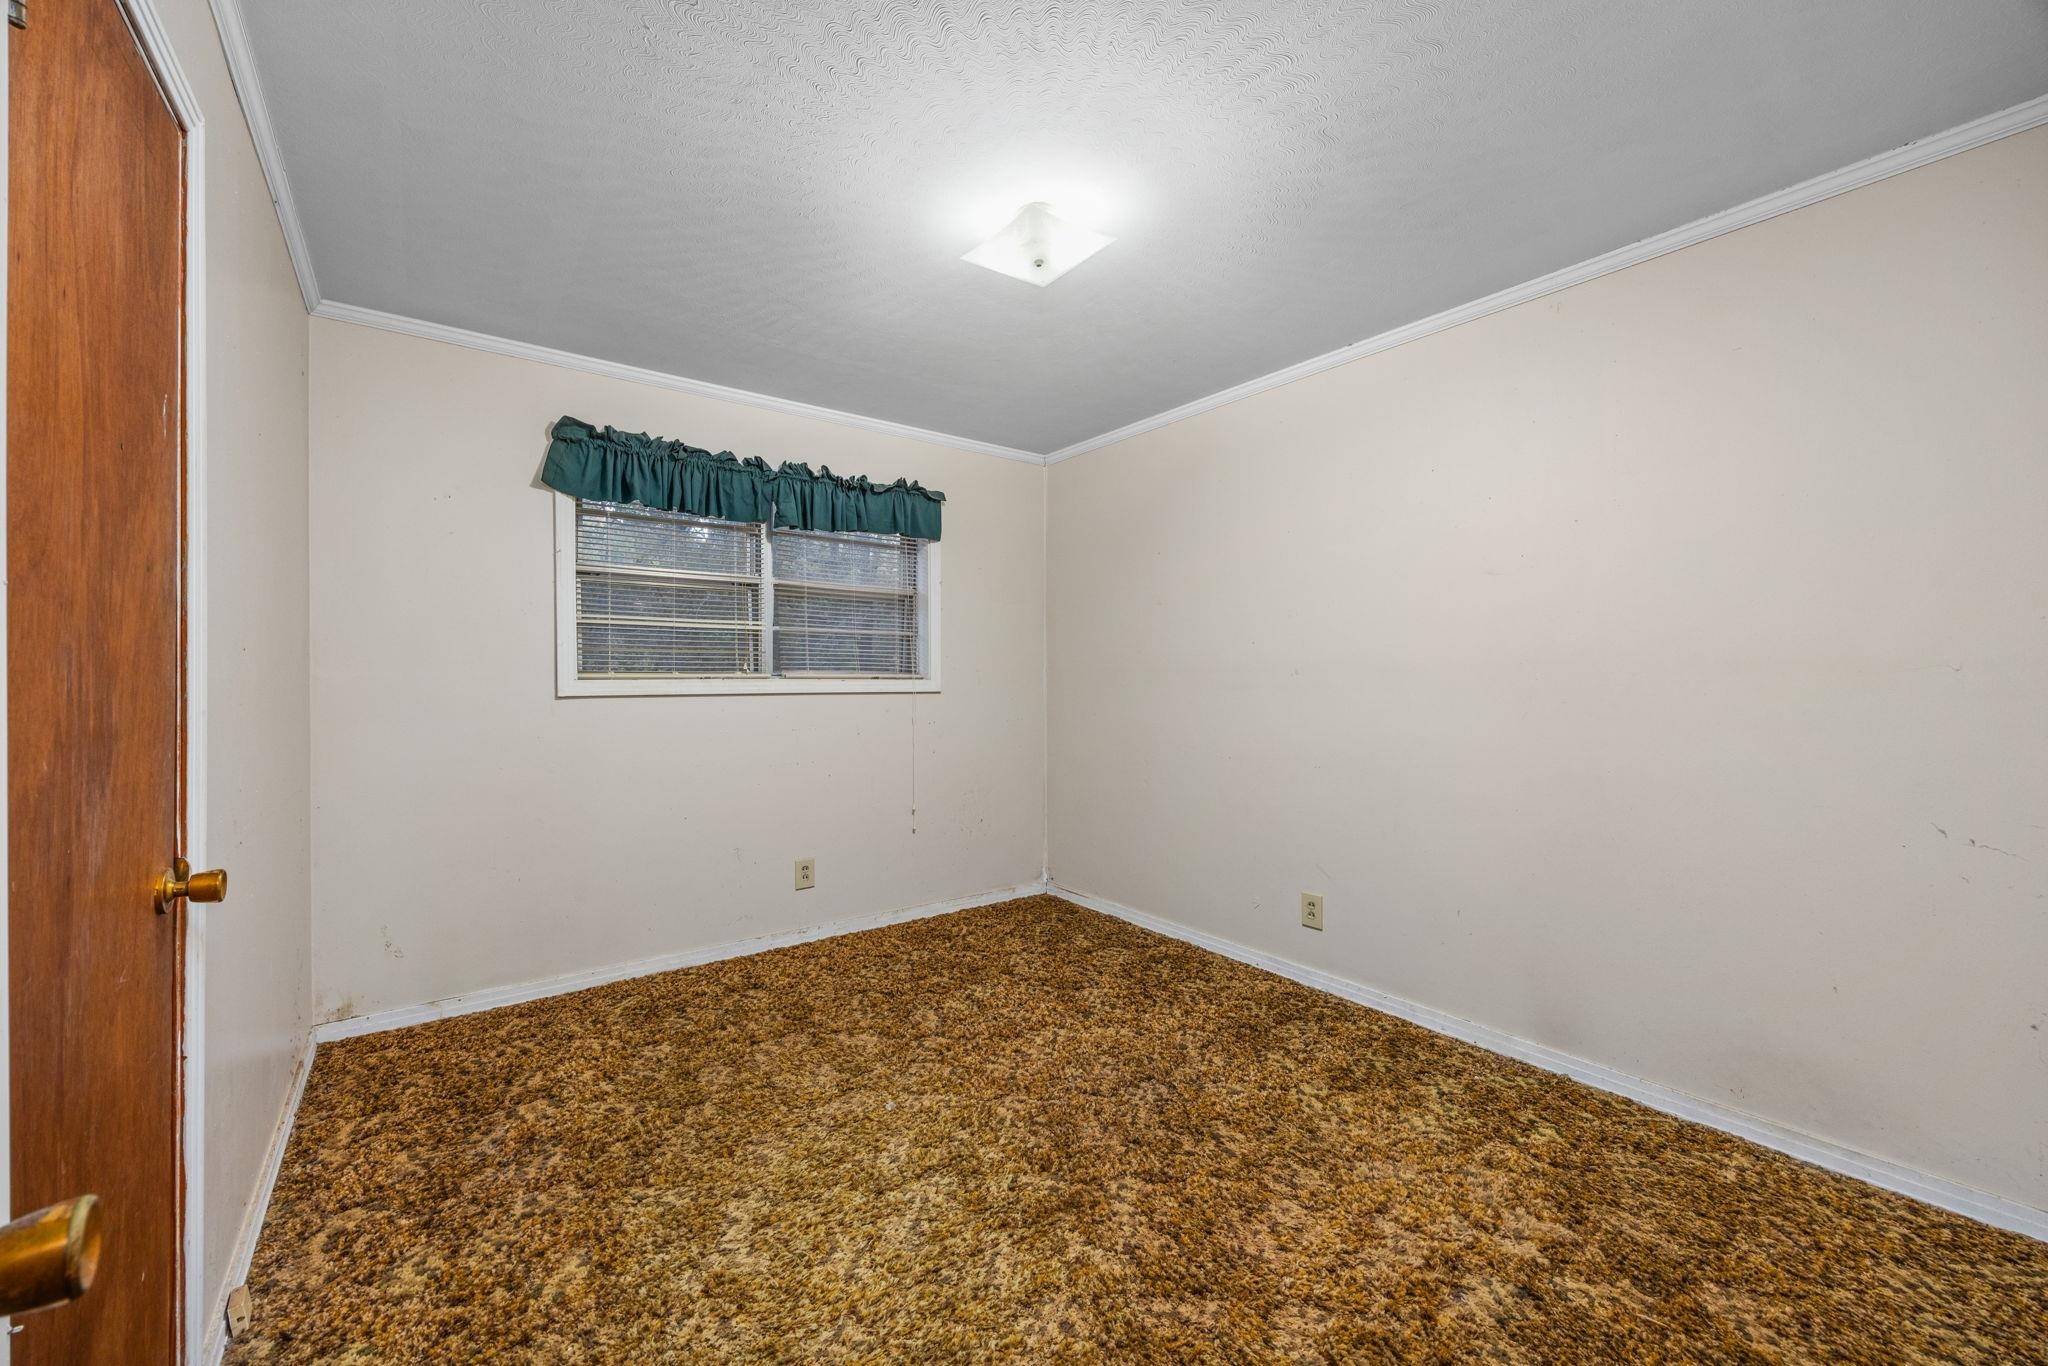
{"x":181,"y":881}
{"x":49,"y":1257}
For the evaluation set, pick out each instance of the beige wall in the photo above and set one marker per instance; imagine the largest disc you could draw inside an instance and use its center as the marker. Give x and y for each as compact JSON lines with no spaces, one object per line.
{"x":473,"y":830}
{"x":1658,"y":671}
{"x":258,"y":944}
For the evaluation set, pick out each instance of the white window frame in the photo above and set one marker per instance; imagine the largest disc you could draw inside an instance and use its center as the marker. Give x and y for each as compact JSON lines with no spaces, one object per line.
{"x":568,"y":683}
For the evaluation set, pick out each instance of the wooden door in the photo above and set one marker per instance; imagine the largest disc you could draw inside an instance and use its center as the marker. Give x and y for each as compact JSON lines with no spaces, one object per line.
{"x":95,"y":544}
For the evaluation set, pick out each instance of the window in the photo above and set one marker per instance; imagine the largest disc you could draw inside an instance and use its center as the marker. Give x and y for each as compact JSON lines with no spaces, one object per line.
{"x":661,"y":602}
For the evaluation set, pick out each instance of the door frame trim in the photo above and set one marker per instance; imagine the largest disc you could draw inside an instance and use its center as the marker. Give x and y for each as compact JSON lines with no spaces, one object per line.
{"x":6,"y":1048}
{"x":152,"y":36}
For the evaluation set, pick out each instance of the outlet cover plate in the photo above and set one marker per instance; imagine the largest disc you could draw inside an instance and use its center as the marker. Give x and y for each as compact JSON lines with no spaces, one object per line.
{"x":1312,"y":910}
{"x":806,"y":874}
{"x":238,"y":1312}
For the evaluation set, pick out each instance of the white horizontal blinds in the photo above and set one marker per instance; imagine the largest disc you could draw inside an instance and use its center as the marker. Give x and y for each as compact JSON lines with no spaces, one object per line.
{"x":658,"y":593}
{"x":846,"y":604}
{"x":661,"y":594}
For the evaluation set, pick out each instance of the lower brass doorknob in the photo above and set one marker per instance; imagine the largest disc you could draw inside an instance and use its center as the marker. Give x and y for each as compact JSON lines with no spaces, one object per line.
{"x":182,"y":882}
{"x":49,"y":1257}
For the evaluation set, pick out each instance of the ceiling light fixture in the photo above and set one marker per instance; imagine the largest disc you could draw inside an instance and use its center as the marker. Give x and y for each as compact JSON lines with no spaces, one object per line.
{"x":1037,"y":247}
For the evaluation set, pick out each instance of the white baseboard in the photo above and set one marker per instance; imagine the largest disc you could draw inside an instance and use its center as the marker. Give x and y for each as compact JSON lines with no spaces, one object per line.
{"x":491,"y":998}
{"x":216,"y":1339}
{"x":1933,"y":1190}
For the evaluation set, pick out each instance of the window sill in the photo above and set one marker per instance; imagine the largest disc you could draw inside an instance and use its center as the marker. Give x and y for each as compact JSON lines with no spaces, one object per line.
{"x":736,"y":686}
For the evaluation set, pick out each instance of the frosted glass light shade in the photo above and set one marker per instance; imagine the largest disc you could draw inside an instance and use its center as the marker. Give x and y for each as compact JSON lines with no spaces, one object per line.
{"x":1037,"y":247}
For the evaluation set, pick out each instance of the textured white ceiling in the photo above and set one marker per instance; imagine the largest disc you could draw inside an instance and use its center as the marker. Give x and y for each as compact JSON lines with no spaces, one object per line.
{"x":775,"y":196}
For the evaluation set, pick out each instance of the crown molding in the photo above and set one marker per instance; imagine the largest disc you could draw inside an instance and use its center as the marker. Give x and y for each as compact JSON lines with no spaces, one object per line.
{"x":234,"y":42}
{"x":569,"y":360}
{"x":242,"y":68}
{"x":241,"y":60}
{"x":1990,"y":128}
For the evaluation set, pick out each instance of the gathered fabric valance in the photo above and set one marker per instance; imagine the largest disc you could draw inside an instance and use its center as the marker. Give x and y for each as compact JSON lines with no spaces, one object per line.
{"x":631,"y":467}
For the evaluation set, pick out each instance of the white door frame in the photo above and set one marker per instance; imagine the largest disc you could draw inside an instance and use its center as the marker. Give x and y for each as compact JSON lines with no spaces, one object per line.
{"x":6,"y":1118}
{"x":155,"y":42}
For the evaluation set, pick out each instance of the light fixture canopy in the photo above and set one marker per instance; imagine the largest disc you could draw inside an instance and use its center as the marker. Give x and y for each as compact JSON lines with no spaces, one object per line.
{"x":1038,"y":246}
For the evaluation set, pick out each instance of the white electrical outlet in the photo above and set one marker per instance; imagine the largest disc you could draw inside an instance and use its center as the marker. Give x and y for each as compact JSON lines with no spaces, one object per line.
{"x":238,"y":1312}
{"x":806,"y":874}
{"x":1312,"y":910}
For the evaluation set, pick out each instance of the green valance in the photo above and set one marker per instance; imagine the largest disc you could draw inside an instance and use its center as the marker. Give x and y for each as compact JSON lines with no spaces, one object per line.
{"x":631,"y":467}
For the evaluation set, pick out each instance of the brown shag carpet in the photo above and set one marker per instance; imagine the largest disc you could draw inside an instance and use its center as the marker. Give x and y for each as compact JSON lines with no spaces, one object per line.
{"x":1030,"y":1132}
